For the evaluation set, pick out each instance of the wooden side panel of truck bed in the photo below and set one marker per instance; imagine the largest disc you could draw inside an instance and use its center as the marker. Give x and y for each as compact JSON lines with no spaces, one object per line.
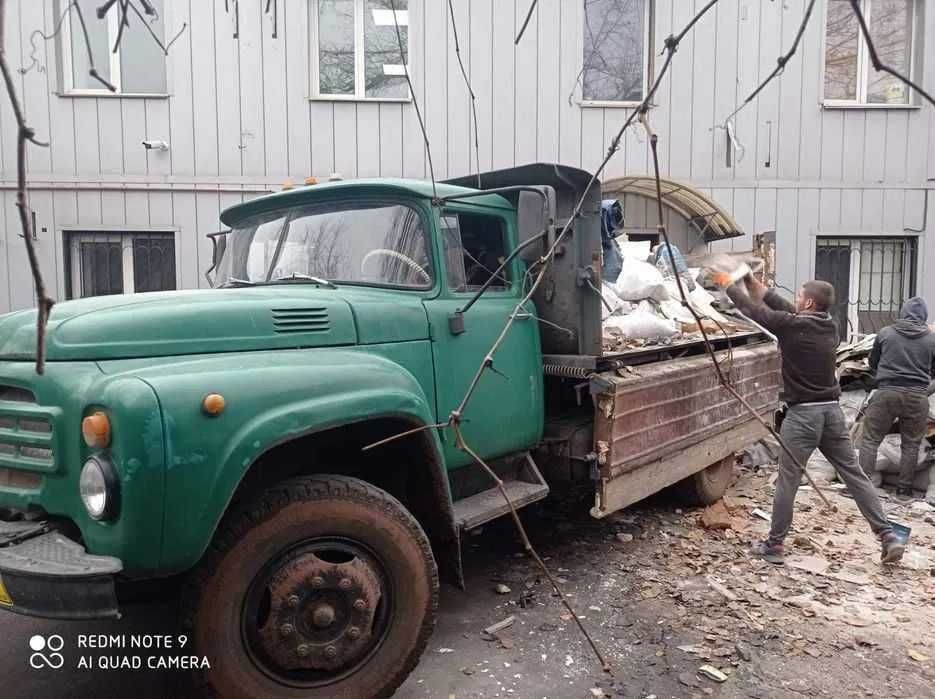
{"x":658,"y":423}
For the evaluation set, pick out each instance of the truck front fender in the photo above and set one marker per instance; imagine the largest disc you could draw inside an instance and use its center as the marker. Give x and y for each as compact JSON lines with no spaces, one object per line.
{"x":271,"y":398}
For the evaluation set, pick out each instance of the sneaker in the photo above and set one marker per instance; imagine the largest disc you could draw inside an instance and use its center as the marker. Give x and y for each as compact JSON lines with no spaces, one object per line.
{"x":769,"y":551}
{"x":904,"y":494}
{"x":893,"y":548}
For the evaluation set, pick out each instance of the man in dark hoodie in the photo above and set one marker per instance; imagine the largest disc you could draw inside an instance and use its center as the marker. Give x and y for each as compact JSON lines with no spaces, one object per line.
{"x":903,"y":360}
{"x":808,"y":342}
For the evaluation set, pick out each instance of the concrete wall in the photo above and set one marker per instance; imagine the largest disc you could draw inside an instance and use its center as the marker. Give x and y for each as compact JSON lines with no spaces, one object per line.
{"x":239,"y":121}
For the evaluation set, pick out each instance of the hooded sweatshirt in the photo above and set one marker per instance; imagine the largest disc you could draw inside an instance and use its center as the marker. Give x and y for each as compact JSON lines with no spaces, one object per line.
{"x":903,"y":355}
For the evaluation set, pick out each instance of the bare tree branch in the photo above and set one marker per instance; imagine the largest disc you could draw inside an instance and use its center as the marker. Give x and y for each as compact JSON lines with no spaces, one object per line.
{"x":454,"y":28}
{"x":522,"y":30}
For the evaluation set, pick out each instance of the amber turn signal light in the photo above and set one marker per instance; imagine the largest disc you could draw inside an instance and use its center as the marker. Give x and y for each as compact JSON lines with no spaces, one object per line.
{"x":213,"y":404}
{"x":95,"y":429}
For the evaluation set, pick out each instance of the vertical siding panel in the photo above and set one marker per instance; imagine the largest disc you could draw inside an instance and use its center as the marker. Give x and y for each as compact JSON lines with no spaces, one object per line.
{"x":180,"y":71}
{"x":186,"y":242}
{"x":293,"y":32}
{"x":897,"y":136}
{"x":810,"y":143}
{"x":681,"y":102}
{"x":369,"y":135}
{"x":391,"y":140}
{"x":227,"y":83}
{"x":41,"y":203}
{"x":203,"y":70}
{"x":773,"y":16}
{"x":35,"y":93}
{"x":527,"y":86}
{"x":158,"y":128}
{"x":832,"y":145}
{"x":875,"y":146}
{"x":7,"y":118}
{"x":207,"y":210}
{"x":636,"y":150}
{"x":724,"y":197}
{"x":851,"y":201}
{"x":86,"y":136}
{"x":321,"y":125}
{"x":894,"y":206}
{"x":705,"y":71}
{"x":6,"y":237}
{"x":549,"y":82}
{"x":65,"y":205}
{"x":613,"y":120}
{"x":918,"y":140}
{"x":113,"y":209}
{"x":790,"y":91}
{"x":137,"y":210}
{"x":89,"y":209}
{"x":764,"y":218}
{"x":253,"y":89}
{"x":503,"y":107}
{"x":160,"y":209}
{"x":808,"y":229}
{"x":480,"y":69}
{"x":786,"y":234}
{"x":569,"y":133}
{"x":854,"y":129}
{"x":725,"y":89}
{"x":914,"y":214}
{"x":345,"y":138}
{"x":61,"y":115}
{"x":133,"y":115}
{"x":660,"y":117}
{"x":592,"y":138}
{"x":460,"y":139}
{"x":276,"y":128}
{"x":748,"y":76}
{"x":829,"y":217}
{"x":109,"y":127}
{"x":20,"y":280}
{"x":871,"y":212}
{"x":414,"y":160}
{"x":435,"y":106}
{"x":745,"y":215}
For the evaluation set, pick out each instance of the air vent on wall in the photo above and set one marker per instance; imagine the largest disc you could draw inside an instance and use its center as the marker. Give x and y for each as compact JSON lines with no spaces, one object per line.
{"x":300,"y":320}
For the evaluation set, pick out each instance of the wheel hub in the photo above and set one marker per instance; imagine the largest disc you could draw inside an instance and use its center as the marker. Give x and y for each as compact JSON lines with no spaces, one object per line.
{"x":321,"y":613}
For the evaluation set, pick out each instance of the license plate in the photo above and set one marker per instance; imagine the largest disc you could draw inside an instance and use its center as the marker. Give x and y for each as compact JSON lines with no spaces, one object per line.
{"x":5,"y":598}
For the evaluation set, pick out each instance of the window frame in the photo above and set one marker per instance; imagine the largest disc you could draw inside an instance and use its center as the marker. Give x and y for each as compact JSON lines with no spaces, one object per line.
{"x":67,"y":82}
{"x":649,"y":15}
{"x":864,"y":65}
{"x":72,"y":236}
{"x":360,"y":85}
{"x":508,"y":272}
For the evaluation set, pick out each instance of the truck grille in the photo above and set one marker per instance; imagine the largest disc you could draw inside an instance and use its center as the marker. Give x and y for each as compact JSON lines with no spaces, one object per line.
{"x":301,"y":320}
{"x":27,"y":438}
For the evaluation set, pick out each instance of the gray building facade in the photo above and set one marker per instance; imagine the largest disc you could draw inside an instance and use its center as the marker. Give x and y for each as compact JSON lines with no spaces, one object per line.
{"x":837,"y":159}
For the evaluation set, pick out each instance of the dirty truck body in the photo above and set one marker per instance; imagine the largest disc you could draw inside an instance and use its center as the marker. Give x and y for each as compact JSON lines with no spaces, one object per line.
{"x":228,"y":434}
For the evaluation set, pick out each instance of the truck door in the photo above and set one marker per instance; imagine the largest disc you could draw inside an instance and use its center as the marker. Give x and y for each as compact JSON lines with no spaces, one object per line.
{"x":505,"y":413}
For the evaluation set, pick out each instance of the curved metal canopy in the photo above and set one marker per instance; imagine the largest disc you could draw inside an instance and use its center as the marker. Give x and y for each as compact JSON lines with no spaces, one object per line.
{"x":710,"y":220}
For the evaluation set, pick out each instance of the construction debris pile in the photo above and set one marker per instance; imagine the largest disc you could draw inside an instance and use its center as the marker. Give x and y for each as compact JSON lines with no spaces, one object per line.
{"x":643,"y":306}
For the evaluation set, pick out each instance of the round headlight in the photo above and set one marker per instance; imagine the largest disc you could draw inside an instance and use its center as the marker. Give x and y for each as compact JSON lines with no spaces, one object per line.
{"x":98,"y":488}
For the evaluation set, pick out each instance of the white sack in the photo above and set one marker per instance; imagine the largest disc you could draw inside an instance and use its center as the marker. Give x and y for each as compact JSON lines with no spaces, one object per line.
{"x":640,"y":280}
{"x":641,"y":325}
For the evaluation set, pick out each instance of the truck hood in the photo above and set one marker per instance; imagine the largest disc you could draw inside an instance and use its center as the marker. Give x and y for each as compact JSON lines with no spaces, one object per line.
{"x":218,"y":320}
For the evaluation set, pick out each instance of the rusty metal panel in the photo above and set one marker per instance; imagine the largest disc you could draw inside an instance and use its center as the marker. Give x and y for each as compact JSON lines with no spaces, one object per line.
{"x":648,"y":412}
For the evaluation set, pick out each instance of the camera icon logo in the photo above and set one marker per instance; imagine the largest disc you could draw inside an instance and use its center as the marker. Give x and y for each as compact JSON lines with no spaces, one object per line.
{"x":46,"y":652}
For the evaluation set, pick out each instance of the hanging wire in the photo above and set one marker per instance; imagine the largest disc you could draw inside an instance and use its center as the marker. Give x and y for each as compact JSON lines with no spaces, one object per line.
{"x":454,"y":29}
{"x":522,"y":30}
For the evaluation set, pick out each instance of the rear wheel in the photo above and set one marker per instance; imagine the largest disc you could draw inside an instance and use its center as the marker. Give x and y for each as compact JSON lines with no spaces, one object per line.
{"x":323,"y":587}
{"x":708,"y":486}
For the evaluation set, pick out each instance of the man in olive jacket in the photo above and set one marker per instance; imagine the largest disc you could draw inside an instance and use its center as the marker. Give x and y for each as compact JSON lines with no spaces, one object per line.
{"x":903,"y":361}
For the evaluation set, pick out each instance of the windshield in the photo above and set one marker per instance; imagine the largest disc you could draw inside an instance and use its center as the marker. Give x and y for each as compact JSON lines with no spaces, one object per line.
{"x":379,"y":244}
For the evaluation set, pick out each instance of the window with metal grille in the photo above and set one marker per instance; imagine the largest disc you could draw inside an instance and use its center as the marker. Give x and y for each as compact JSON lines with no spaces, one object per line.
{"x":872,"y":277}
{"x":120,"y":263}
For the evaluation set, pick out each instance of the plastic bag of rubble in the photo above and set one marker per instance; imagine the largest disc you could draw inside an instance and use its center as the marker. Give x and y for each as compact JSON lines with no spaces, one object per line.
{"x":642,"y":324}
{"x":640,"y":280}
{"x":613,"y":305}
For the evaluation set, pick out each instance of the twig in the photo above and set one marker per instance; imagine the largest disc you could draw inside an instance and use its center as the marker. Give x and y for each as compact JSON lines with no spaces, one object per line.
{"x":454,"y":29}
{"x":522,"y":30}
{"x":415,"y":102}
{"x":25,"y":133}
{"x":527,"y":544}
{"x":875,"y":59}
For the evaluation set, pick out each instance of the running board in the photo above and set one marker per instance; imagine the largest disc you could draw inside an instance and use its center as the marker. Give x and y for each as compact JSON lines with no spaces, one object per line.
{"x":526,"y":488}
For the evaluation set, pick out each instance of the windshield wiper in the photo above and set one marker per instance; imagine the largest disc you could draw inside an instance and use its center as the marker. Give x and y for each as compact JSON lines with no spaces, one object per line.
{"x":297,"y":277}
{"x":233,"y":282}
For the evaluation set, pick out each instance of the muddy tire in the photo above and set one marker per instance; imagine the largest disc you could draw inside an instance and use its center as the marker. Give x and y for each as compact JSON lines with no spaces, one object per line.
{"x":708,"y":486}
{"x":323,"y":586}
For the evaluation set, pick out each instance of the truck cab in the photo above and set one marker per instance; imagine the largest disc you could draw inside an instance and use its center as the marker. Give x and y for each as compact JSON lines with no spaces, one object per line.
{"x":282,"y":440}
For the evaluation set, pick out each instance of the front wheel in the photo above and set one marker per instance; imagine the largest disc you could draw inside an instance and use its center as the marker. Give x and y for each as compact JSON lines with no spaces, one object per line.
{"x":708,"y":486}
{"x":324,"y":586}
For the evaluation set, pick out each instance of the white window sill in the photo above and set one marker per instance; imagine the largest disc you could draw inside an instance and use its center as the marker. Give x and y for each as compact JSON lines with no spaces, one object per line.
{"x":354,"y":98}
{"x":859,"y":105}
{"x":114,"y":95}
{"x":604,"y":104}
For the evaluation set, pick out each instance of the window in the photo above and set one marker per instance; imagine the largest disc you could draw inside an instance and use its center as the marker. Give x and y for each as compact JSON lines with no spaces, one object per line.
{"x":615,"y":50}
{"x":120,"y":263}
{"x":849,"y":74}
{"x":474,"y":247}
{"x":375,"y":244}
{"x":356,"y":55}
{"x":872,"y":277}
{"x":138,"y":66}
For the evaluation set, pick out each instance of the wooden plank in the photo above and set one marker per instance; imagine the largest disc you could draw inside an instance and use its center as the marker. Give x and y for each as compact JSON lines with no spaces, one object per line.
{"x":180,"y":75}
{"x":275,"y":109}
{"x":391,"y":140}
{"x":503,"y":117}
{"x":369,"y":136}
{"x":526,"y":89}
{"x":231,"y":142}
{"x":205,"y":108}
{"x":549,"y":81}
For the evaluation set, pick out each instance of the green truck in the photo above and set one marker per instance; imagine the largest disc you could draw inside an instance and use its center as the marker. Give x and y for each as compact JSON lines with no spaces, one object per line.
{"x":227,"y":435}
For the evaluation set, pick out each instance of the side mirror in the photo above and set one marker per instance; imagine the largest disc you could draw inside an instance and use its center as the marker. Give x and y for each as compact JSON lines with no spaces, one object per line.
{"x":535,"y":213}
{"x":218,"y":246}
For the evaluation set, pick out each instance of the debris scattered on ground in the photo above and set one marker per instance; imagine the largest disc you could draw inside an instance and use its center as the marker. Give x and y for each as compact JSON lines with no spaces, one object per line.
{"x":492,"y":630}
{"x":716,"y":516}
{"x":917,"y":656}
{"x":624,"y":537}
{"x":502,"y":589}
{"x":712,"y":673}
